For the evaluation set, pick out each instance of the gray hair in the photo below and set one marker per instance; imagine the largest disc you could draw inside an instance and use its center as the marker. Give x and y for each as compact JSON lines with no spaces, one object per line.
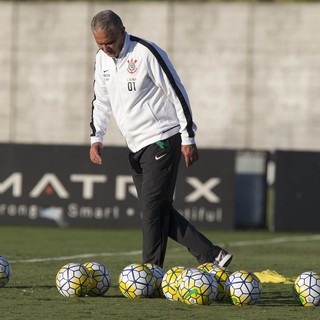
{"x":106,"y":21}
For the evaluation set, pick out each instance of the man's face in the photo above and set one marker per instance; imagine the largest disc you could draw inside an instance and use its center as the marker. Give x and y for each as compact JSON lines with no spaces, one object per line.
{"x":110,"y":42}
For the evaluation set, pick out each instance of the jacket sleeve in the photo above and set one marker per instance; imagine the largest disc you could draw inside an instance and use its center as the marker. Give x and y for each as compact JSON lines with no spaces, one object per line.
{"x":165,"y":77}
{"x":101,"y":108}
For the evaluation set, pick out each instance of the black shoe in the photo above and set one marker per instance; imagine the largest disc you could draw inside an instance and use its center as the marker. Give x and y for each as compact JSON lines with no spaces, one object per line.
{"x":223,"y":259}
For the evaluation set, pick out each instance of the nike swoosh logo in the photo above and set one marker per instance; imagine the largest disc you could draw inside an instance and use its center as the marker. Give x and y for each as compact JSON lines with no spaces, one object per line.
{"x":157,"y":158}
{"x":191,"y":292}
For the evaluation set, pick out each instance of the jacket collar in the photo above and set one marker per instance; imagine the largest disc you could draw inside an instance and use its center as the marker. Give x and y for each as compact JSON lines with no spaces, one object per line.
{"x":125,"y":46}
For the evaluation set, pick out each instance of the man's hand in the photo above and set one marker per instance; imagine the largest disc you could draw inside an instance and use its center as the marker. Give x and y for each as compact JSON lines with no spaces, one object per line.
{"x":190,"y":153}
{"x":95,"y":153}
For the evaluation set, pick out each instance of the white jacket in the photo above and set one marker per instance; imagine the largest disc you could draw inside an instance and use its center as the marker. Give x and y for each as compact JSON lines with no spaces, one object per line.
{"x":143,"y":92}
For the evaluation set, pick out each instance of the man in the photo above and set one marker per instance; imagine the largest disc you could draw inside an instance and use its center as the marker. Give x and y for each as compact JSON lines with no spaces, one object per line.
{"x":135,"y":81}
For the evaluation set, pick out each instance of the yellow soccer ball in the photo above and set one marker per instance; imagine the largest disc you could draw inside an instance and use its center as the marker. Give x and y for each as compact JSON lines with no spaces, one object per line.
{"x":5,"y":271}
{"x":158,"y":274}
{"x":207,"y":267}
{"x":306,"y":289}
{"x":243,"y":288}
{"x":221,"y":275}
{"x":197,"y":287}
{"x":73,"y":280}
{"x":101,"y":279}
{"x":136,"y":281}
{"x":168,"y":284}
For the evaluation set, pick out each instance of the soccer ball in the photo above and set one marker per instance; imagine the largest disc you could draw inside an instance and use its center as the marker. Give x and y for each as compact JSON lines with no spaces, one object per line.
{"x":169,"y":286}
{"x":136,"y":281}
{"x":158,"y":274}
{"x":100,"y":278}
{"x":306,"y":289}
{"x":221,"y":275}
{"x":207,"y":267}
{"x":243,"y":288}
{"x":5,"y":271}
{"x":198,"y":287}
{"x":73,"y":280}
{"x":187,"y":271}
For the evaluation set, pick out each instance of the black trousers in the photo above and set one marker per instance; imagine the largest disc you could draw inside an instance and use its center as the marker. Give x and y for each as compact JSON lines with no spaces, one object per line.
{"x":154,"y":170}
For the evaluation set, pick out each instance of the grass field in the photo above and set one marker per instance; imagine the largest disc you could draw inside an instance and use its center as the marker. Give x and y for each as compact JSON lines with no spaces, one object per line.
{"x":37,"y":253}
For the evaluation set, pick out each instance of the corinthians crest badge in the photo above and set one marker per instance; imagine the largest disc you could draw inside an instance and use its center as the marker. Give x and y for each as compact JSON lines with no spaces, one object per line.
{"x":132,"y":68}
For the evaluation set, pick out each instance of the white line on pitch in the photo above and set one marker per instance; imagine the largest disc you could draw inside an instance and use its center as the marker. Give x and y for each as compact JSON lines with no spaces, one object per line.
{"x":315,"y":237}
{"x":89,"y":255}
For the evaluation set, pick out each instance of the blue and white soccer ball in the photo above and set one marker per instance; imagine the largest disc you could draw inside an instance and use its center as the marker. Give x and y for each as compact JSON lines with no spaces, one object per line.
{"x":207,"y":267}
{"x":5,"y":271}
{"x":101,"y":279}
{"x":158,"y":274}
{"x":243,"y":288}
{"x":169,"y":283}
{"x":306,"y":289}
{"x":73,"y":280}
{"x":136,"y":281}
{"x":221,"y":275}
{"x":197,"y":287}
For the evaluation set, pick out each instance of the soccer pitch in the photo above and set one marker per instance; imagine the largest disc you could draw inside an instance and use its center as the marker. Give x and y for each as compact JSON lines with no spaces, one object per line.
{"x":37,"y":253}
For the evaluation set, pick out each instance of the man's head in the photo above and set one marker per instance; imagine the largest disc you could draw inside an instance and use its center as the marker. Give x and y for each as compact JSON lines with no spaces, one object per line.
{"x":108,"y":32}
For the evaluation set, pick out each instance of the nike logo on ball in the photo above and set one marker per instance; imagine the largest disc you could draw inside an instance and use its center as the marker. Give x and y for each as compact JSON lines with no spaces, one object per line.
{"x":159,"y":157}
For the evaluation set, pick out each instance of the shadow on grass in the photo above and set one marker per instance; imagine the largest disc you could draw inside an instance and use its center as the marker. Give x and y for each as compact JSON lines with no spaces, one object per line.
{"x":29,"y":287}
{"x":54,"y":287}
{"x":276,"y":299}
